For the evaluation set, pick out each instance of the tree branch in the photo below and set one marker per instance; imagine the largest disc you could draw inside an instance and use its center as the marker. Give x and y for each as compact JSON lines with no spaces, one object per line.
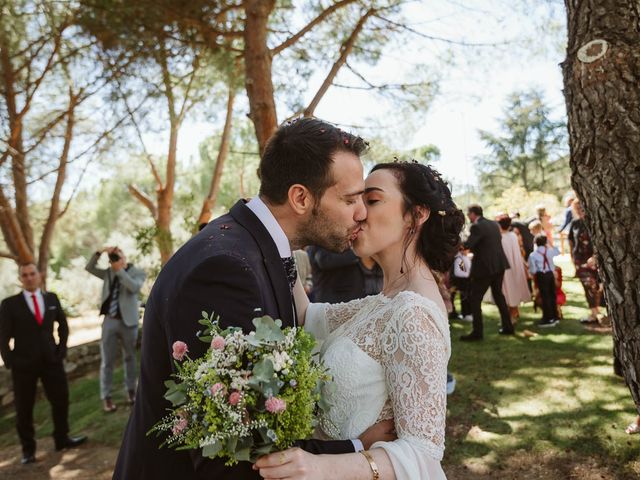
{"x":345,"y":50}
{"x":144,"y":199}
{"x":324,"y":14}
{"x":8,"y":255}
{"x":54,"y":208}
{"x":439,"y":39}
{"x":10,"y":224}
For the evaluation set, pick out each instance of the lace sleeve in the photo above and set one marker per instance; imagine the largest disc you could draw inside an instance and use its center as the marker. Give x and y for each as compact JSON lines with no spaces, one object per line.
{"x":323,"y":318}
{"x":416,"y":348}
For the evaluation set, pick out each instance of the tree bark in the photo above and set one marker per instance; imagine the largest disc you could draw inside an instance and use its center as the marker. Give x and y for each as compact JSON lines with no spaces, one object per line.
{"x":16,"y":150}
{"x":223,"y":152}
{"x":54,"y":207}
{"x":165,"y":199}
{"x":257,"y":59}
{"x":602,"y":91}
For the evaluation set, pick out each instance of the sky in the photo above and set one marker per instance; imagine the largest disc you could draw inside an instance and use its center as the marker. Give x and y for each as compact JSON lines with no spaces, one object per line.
{"x":472,"y":88}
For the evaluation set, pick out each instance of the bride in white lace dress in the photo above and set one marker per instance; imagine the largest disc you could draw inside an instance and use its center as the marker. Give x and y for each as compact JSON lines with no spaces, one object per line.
{"x":388,"y":353}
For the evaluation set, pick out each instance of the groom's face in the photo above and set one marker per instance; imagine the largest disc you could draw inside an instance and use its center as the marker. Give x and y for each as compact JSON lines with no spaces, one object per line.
{"x":335,"y":221}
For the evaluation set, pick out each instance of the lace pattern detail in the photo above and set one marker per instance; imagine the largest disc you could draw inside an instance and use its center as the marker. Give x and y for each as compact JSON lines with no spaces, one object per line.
{"x":415,"y":356}
{"x":408,"y":336}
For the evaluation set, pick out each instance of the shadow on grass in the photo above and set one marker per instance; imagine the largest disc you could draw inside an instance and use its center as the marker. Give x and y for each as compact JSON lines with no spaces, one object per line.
{"x":553,"y":396}
{"x":85,"y":414}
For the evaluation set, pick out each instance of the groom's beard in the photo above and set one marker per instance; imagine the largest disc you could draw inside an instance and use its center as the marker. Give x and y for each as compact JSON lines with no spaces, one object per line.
{"x":319,"y":230}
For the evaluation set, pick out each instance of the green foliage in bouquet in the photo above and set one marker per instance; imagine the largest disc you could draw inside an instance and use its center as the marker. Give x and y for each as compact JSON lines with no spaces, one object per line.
{"x":249,"y":395}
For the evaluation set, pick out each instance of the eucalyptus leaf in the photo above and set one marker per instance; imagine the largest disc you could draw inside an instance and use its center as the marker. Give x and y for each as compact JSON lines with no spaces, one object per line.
{"x":263,"y":370}
{"x":243,"y":455}
{"x":268,"y":329}
{"x":210,"y":451}
{"x":232,"y":442}
{"x":176,"y":397}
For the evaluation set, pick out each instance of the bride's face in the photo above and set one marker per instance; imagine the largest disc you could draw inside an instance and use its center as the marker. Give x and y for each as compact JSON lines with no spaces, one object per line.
{"x":386,"y":225}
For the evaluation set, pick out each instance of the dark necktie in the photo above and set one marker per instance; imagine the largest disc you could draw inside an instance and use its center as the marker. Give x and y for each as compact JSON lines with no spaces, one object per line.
{"x":290,"y":269}
{"x":113,"y":305}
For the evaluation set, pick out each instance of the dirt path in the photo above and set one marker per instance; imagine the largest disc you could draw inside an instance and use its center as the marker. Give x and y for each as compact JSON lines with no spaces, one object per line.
{"x":90,"y":461}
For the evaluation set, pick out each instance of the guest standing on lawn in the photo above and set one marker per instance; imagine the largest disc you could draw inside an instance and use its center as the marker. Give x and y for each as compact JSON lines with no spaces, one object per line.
{"x":541,"y":268}
{"x":582,"y":254}
{"x":487,"y":271}
{"x":514,"y":285}
{"x":120,"y":306}
{"x":28,"y":319}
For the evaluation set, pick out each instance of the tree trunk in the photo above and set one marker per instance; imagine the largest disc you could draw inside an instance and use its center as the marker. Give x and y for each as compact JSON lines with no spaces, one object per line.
{"x":223,"y":152}
{"x":602,"y":91}
{"x":54,"y":208}
{"x":257,"y":59}
{"x":16,"y":151}
{"x":164,"y":238}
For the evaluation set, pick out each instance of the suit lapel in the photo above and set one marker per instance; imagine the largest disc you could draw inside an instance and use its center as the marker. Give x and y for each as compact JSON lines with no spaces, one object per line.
{"x":47,"y":303}
{"x":27,"y":310}
{"x":273,"y":263}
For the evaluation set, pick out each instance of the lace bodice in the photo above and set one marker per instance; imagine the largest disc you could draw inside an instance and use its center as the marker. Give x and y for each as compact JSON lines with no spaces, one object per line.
{"x":389,"y":359}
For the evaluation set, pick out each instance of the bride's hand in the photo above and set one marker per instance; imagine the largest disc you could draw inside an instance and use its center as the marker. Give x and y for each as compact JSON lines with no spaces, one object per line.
{"x":293,"y":463}
{"x":384,"y":431}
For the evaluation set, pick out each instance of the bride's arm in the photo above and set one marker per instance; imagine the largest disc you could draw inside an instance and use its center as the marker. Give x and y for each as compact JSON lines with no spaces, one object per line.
{"x":416,"y":350}
{"x":300,"y":465}
{"x":302,"y":301}
{"x":323,"y":318}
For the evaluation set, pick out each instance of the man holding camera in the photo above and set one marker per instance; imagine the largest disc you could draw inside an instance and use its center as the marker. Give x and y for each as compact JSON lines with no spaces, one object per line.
{"x":119,"y":305}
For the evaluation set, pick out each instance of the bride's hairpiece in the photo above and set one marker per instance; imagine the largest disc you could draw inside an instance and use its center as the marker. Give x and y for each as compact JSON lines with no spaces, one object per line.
{"x":442,"y":213}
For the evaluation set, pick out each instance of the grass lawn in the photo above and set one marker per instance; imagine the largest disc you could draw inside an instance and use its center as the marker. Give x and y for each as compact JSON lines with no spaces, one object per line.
{"x":543,"y":407}
{"x":548,"y":406}
{"x":85,"y":414}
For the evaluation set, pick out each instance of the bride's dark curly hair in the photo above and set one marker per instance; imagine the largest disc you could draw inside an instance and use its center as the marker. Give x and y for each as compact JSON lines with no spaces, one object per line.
{"x":439,"y":238}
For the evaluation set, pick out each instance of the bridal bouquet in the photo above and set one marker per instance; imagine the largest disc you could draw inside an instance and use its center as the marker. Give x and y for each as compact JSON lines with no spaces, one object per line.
{"x":248,"y":396}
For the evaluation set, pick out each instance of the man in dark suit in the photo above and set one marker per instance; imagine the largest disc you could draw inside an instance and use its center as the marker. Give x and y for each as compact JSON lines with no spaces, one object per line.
{"x":487,"y":271}
{"x":28,"y":318}
{"x":525,"y":234}
{"x":311,"y":192}
{"x":342,"y":277}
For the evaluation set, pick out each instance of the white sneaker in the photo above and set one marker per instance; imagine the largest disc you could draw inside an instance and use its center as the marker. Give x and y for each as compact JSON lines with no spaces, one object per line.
{"x":467,"y":318}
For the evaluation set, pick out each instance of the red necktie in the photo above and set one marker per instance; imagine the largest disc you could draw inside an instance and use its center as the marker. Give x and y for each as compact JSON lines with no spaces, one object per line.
{"x":36,"y":308}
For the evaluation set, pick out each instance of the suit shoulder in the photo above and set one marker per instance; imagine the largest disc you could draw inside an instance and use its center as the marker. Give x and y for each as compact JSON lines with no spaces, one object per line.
{"x":12,"y":299}
{"x":222,"y":262}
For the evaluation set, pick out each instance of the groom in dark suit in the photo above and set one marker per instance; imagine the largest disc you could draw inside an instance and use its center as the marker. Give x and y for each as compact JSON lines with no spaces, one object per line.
{"x":311,"y":193}
{"x":487,"y":271}
{"x":28,"y":318}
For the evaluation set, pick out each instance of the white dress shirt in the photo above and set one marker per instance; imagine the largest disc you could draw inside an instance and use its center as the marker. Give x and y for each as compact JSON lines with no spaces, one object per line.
{"x":260,"y":209}
{"x":39,"y":299}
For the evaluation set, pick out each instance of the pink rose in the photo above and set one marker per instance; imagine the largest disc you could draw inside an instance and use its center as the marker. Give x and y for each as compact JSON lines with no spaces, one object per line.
{"x":180,"y":426}
{"x":234,"y":398}
{"x":216,"y":387}
{"x":180,"y":349}
{"x":275,"y":405}
{"x":217,"y":343}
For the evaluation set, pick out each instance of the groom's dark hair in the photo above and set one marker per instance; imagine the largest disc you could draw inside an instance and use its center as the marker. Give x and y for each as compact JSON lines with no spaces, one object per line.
{"x":301,"y":152}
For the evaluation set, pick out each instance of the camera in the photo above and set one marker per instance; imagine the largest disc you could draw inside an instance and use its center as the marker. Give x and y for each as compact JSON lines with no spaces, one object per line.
{"x":113,"y":257}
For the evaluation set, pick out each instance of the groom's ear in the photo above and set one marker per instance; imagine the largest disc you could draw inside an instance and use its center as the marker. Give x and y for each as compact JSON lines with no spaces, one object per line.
{"x":300,"y":199}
